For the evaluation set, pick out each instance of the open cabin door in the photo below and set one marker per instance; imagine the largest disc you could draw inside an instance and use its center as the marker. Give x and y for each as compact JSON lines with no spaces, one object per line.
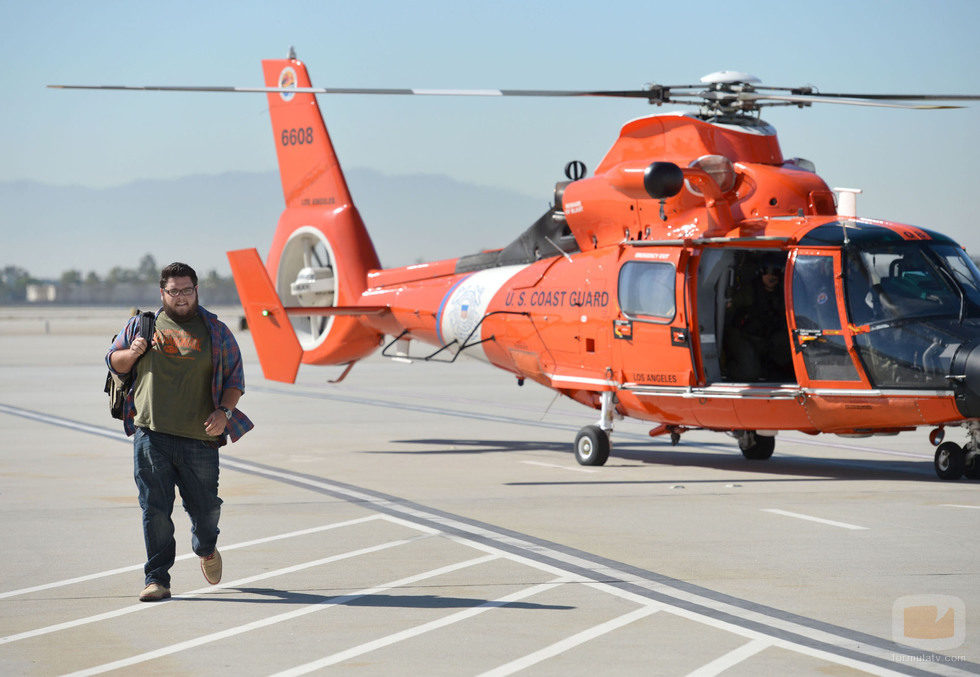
{"x":742,"y":326}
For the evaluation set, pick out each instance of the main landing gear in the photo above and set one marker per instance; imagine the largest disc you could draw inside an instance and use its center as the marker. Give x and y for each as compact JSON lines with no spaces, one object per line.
{"x":755,"y":446}
{"x":592,"y":446}
{"x":592,"y":442}
{"x":953,"y":461}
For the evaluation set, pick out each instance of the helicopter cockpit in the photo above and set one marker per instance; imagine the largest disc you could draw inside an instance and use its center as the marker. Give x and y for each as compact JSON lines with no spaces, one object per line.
{"x":912,"y":305}
{"x":910,"y":313}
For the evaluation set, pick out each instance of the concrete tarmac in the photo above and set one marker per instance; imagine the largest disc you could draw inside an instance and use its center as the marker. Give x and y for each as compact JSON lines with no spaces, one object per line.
{"x":431,"y":519}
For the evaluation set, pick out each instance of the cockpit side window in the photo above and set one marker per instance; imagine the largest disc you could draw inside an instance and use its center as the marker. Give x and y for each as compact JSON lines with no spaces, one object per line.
{"x":647,"y":289}
{"x":814,"y":301}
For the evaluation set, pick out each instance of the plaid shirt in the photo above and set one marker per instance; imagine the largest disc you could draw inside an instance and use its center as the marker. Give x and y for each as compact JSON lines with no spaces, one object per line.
{"x":226,"y":372}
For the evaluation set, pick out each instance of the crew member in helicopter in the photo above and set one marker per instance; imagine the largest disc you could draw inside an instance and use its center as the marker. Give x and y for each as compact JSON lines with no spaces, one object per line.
{"x":758,"y":340}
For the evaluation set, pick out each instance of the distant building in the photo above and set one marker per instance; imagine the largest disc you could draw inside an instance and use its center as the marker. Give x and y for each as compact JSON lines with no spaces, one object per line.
{"x":42,"y":292}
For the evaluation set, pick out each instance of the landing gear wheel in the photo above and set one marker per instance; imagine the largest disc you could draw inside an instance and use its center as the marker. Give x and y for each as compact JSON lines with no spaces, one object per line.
{"x":592,"y":446}
{"x":971,"y":469}
{"x":756,"y":447}
{"x":949,"y":461}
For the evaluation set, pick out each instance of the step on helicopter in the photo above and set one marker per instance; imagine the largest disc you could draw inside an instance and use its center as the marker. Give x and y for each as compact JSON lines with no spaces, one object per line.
{"x":697,"y":280}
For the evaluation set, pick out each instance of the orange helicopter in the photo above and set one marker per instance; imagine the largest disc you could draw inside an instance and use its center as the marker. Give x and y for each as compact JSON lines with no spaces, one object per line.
{"x":698,"y":280}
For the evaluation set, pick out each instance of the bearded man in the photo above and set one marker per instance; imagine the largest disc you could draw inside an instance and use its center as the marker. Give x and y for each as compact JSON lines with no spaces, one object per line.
{"x":182,"y":407}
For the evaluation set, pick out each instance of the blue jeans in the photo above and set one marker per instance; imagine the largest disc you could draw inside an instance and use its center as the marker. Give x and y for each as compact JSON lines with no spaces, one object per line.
{"x":161,"y":462}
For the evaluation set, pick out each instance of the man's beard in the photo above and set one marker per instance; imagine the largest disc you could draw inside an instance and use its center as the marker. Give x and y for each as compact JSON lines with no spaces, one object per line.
{"x":181,"y":314}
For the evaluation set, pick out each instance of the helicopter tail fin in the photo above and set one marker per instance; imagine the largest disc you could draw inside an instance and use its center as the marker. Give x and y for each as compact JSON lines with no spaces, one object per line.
{"x":321,"y":252}
{"x":308,"y":165}
{"x":275,"y":340}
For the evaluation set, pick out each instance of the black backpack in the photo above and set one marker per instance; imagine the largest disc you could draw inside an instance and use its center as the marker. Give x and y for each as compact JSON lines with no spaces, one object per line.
{"x":117,"y":387}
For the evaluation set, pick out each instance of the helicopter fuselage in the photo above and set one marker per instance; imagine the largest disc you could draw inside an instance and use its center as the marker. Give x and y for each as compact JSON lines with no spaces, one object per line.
{"x":659,"y":325}
{"x":698,"y":279}
{"x":656,"y":307}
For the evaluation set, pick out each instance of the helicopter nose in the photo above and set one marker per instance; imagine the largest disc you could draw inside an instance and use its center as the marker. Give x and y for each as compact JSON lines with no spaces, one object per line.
{"x":965,"y":378}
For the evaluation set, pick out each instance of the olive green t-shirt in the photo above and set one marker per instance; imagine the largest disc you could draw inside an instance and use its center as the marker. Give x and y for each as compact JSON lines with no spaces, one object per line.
{"x":173,"y":380}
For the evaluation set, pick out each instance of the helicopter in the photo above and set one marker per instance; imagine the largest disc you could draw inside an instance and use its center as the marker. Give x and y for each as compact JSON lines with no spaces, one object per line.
{"x":696,"y":280}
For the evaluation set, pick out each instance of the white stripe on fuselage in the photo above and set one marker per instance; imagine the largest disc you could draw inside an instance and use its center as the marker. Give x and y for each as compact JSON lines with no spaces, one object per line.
{"x":465,"y":306}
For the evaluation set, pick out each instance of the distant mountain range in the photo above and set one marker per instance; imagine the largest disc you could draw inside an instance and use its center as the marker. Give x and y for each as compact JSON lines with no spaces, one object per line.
{"x":49,"y":229}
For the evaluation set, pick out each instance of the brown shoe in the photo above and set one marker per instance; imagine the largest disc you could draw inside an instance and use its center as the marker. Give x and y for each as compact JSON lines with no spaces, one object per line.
{"x":154,"y":592}
{"x":211,"y":566}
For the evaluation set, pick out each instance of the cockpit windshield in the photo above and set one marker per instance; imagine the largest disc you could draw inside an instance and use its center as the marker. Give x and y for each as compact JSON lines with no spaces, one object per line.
{"x":896,"y":282}
{"x":912,"y":304}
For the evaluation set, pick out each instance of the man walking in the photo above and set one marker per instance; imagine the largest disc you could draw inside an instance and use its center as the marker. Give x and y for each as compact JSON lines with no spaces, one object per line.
{"x":187,"y":384}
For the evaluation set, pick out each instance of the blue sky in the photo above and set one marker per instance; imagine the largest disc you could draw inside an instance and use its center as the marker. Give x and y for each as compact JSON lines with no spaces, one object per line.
{"x":914,"y":166}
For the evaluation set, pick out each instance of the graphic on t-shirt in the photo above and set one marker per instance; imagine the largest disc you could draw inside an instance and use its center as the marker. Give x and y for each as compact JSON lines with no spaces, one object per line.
{"x":177,"y":343}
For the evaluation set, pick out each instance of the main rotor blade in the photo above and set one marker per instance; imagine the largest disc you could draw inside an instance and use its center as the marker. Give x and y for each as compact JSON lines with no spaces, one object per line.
{"x":656,"y":93}
{"x":361,"y":90}
{"x":903,"y":97}
{"x":818,"y":98}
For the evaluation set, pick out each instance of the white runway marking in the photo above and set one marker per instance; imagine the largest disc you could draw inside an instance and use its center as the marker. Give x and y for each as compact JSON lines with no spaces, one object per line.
{"x":570,"y":642}
{"x":279,"y":618}
{"x":810,"y":518}
{"x":731,"y":659}
{"x":143,"y":606}
{"x":224,"y":548}
{"x":560,"y":467}
{"x":417,"y":630}
{"x":954,"y":505}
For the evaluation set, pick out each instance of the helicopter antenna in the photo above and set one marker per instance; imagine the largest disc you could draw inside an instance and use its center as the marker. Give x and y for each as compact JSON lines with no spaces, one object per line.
{"x":847,"y":206}
{"x":847,"y":201}
{"x":560,"y":250}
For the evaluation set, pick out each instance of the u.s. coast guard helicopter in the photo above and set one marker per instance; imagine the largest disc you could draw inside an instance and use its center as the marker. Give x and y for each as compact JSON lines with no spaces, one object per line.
{"x":697,"y":280}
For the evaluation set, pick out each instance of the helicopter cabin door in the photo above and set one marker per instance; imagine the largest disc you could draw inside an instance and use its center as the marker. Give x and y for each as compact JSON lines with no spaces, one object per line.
{"x":652,"y":342}
{"x":823,"y":347}
{"x":743,"y":335}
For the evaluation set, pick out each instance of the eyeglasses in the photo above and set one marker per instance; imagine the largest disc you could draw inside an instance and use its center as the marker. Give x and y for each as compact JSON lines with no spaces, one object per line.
{"x":186,"y":291}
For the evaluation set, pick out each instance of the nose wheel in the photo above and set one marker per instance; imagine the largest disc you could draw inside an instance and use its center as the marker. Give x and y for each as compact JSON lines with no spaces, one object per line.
{"x":953,"y":461}
{"x":971,"y":469}
{"x":950,"y":461}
